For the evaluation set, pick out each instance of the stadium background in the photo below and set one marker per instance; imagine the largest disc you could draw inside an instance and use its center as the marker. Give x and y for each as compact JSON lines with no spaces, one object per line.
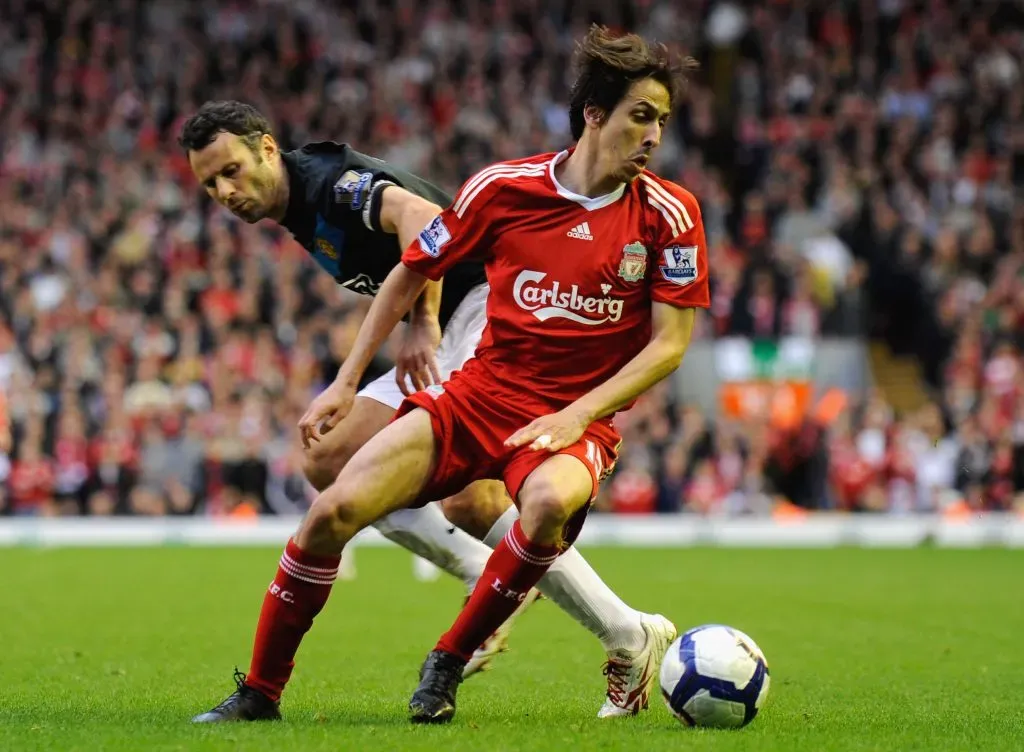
{"x":858,"y":165}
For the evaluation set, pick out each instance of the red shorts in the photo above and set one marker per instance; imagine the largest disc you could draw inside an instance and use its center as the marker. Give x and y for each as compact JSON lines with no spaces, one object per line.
{"x":470,"y":428}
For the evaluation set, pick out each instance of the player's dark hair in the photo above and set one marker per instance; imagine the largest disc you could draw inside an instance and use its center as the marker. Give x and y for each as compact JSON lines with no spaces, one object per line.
{"x":226,"y":116}
{"x":607,"y":64}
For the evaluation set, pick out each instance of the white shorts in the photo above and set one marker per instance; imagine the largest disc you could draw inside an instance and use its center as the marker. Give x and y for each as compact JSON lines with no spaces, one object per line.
{"x":458,"y":343}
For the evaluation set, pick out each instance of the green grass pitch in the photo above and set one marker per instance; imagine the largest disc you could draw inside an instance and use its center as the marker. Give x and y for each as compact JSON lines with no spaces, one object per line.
{"x":869,"y":650}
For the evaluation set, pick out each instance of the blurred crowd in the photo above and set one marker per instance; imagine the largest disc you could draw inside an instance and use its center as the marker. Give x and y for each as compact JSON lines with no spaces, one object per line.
{"x":857,"y":164}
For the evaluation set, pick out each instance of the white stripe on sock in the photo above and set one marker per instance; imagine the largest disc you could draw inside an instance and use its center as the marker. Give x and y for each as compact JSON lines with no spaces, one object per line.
{"x":314,"y":571}
{"x":292,"y":572}
{"x":521,"y":553}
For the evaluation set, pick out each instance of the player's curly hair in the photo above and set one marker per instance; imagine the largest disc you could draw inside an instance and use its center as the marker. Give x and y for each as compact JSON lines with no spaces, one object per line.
{"x":607,"y":64}
{"x":225,"y":116}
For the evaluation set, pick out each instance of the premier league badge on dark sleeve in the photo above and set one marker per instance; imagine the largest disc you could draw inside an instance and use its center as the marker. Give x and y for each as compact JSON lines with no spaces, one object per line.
{"x":352,"y":189}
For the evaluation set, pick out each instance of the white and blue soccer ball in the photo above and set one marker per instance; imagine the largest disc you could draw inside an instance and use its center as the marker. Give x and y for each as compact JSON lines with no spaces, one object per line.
{"x":714,"y":676}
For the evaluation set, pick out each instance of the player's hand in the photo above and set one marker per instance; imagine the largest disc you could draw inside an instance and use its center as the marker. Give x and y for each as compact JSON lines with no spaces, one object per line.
{"x":326,"y":411}
{"x":417,"y":357}
{"x":551,"y":432}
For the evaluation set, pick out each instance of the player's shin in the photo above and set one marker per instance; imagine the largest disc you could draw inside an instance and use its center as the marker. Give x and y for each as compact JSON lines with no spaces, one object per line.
{"x":573,"y":585}
{"x":515,"y":566}
{"x":298,"y":593}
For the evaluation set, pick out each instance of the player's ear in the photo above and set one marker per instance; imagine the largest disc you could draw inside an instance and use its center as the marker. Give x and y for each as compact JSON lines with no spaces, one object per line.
{"x":594,"y":116}
{"x":268,"y":146}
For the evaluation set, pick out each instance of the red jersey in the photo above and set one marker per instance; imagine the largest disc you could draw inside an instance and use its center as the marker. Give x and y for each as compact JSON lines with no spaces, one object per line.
{"x":572,"y":278}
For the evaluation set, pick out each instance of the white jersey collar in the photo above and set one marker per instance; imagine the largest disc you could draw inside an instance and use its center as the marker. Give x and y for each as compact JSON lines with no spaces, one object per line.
{"x":588,"y":203}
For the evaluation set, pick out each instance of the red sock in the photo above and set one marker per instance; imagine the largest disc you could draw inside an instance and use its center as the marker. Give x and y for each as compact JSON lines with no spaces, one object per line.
{"x":515,"y":566}
{"x":293,"y":599}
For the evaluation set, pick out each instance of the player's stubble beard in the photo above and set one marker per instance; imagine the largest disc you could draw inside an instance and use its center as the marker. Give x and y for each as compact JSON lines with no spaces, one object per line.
{"x":628,"y":148}
{"x":626,"y":170}
{"x":612,"y":155}
{"x":267,"y":194}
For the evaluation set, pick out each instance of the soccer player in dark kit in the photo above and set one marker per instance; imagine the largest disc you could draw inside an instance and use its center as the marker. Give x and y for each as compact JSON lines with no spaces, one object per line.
{"x":354,"y":214}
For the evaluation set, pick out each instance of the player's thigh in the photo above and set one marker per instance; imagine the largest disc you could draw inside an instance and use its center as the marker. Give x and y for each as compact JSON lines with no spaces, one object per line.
{"x":477,"y":507}
{"x":389,"y":472}
{"x":553,"y":493}
{"x":338,"y":445}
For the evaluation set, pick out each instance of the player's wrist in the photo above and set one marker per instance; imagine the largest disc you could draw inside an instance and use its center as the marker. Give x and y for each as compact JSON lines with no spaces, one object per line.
{"x":347,"y":378}
{"x":583,"y":412}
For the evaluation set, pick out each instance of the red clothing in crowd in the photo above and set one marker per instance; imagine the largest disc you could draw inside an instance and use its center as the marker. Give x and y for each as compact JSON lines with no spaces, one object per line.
{"x":31,"y":484}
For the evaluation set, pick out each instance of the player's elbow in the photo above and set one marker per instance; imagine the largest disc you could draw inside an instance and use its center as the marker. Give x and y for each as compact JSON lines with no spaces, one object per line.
{"x":670,"y":353}
{"x":672,"y":331}
{"x":674,"y":358}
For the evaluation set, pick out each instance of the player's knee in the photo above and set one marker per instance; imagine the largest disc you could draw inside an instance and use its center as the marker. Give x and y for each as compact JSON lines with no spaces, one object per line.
{"x":331,"y":522}
{"x":545,"y":505}
{"x":461,"y":512}
{"x":458,"y":509}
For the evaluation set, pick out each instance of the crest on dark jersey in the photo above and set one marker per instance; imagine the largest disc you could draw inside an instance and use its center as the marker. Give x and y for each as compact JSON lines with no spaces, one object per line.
{"x":324,"y":246}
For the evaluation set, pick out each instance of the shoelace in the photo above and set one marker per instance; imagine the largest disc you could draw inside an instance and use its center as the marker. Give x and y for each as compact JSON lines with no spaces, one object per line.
{"x":240,"y":690}
{"x":618,"y":678}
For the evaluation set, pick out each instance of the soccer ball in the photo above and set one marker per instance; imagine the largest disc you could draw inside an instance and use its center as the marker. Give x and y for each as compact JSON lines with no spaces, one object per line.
{"x":714,"y":676}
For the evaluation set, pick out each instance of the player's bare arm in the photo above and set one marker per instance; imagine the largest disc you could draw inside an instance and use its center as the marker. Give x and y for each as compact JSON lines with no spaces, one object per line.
{"x":416,"y":362}
{"x":672,"y":329}
{"x":405,"y":214}
{"x":395,"y":299}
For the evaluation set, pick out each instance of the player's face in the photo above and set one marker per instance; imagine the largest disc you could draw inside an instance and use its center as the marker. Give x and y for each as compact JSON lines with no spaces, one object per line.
{"x":242,"y":180}
{"x":633,"y":129}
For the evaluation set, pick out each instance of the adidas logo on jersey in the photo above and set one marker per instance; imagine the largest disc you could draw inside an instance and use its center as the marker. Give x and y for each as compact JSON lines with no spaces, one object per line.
{"x":580,"y":232}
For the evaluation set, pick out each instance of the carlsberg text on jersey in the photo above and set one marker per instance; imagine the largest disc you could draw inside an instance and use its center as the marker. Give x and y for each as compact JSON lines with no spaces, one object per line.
{"x":549,"y":302}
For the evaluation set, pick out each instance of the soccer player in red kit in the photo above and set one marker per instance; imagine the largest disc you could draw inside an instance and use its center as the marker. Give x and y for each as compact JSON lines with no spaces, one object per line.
{"x":596,"y":267}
